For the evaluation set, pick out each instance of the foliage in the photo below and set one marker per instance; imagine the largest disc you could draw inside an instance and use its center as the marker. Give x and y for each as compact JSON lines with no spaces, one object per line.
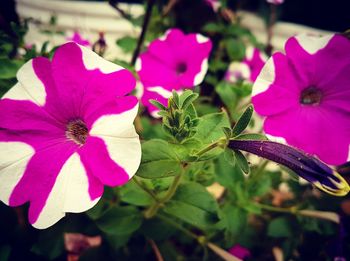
{"x":168,"y":203}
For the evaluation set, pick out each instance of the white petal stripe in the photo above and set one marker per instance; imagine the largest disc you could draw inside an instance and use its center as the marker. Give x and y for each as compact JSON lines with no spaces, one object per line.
{"x":14,"y":157}
{"x":116,"y":125}
{"x":94,"y":61}
{"x":70,"y":193}
{"x":265,"y":78}
{"x":201,"y":74}
{"x":313,"y":43}
{"x":31,"y":83}
{"x":126,"y":152}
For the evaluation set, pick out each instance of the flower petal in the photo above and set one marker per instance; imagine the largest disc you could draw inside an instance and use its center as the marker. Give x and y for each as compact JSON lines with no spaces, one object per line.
{"x":99,"y":163}
{"x":35,"y":88}
{"x":69,"y":194}
{"x":116,"y":125}
{"x":44,"y":166}
{"x":149,"y":69}
{"x":14,"y":159}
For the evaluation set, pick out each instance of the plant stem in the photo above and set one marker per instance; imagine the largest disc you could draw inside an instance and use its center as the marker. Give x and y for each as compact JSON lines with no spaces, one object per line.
{"x":272,"y":21}
{"x":211,"y":147}
{"x":143,"y":32}
{"x":276,"y":209}
{"x":170,"y":193}
{"x":326,"y":215}
{"x":138,"y":183}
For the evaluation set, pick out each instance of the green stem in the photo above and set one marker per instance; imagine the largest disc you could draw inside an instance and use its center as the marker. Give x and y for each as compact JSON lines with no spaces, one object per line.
{"x":211,"y":146}
{"x":170,"y":193}
{"x":291,"y":210}
{"x":148,"y":191}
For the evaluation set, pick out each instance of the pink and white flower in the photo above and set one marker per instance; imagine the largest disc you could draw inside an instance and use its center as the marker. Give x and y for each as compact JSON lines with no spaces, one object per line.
{"x":77,"y":38}
{"x":66,"y":130}
{"x":305,"y":96}
{"x":173,"y":62}
{"x":249,"y":68}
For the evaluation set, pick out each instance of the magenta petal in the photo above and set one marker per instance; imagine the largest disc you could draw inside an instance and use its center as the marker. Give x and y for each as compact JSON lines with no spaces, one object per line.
{"x":327,"y":144}
{"x":98,"y":163}
{"x":25,"y":115}
{"x":45,"y":165}
{"x":150,"y":70}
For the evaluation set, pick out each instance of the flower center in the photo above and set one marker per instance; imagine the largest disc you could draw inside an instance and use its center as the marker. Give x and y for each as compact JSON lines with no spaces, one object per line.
{"x":77,"y":131}
{"x":311,"y":96}
{"x":181,"y":68}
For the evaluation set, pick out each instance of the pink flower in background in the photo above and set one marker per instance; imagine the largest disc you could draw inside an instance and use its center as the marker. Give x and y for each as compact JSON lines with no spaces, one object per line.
{"x":305,"y":96}
{"x":66,"y":130}
{"x":255,"y":60}
{"x":248,"y":69}
{"x":173,"y":62}
{"x":77,"y":38}
{"x":275,"y":2}
{"x":239,"y":251}
{"x":237,"y":71}
{"x":214,"y":4}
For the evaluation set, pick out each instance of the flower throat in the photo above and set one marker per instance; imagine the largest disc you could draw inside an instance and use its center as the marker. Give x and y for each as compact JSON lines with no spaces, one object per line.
{"x":77,"y":131}
{"x":311,"y":96}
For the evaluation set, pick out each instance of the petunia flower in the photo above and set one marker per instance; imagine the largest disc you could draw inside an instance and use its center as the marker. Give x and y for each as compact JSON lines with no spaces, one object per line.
{"x":249,"y":68}
{"x":66,"y":130}
{"x":304,"y":95}
{"x":305,"y":166}
{"x":275,"y":2}
{"x":237,"y":71}
{"x":173,"y":62}
{"x":77,"y":38}
{"x":255,"y":59}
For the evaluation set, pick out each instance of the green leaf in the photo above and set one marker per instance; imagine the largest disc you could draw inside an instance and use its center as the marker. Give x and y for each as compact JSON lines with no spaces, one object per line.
{"x":251,"y":136}
{"x":158,"y":105}
{"x":229,"y":156}
{"x":127,"y":44}
{"x":9,"y":68}
{"x":242,"y":161}
{"x":134,"y":195}
{"x":121,"y":221}
{"x":158,"y":160}
{"x":227,"y":131}
{"x":227,"y":95}
{"x":260,"y":188}
{"x":235,"y":220}
{"x":252,"y":208}
{"x":188,"y":100}
{"x":210,"y":127}
{"x":243,"y":121}
{"x":213,"y":28}
{"x":193,"y":204}
{"x":228,"y":175}
{"x":279,"y":227}
{"x":235,"y":49}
